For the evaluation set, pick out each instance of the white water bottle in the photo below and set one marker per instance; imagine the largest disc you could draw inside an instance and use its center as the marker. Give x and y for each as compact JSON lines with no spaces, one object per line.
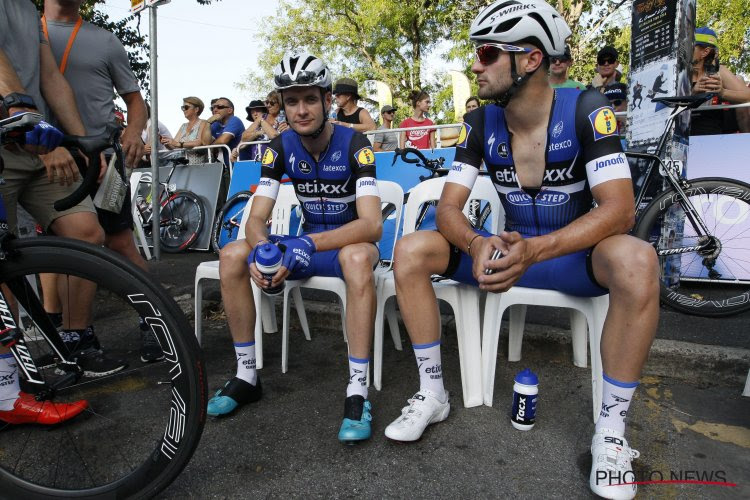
{"x":525,"y":392}
{"x":268,"y":260}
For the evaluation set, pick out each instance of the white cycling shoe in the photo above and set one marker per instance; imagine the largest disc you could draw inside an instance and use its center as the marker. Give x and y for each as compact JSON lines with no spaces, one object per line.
{"x":424,"y":409}
{"x":611,"y":469}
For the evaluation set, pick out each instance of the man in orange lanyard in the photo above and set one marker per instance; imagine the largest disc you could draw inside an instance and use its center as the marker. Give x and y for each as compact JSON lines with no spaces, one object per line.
{"x":94,"y":62}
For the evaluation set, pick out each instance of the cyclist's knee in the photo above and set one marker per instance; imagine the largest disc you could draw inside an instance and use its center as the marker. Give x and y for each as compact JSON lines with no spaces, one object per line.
{"x":628,"y":264}
{"x":233,"y":257}
{"x":82,"y":226}
{"x":357,"y":262}
{"x":413,"y":253}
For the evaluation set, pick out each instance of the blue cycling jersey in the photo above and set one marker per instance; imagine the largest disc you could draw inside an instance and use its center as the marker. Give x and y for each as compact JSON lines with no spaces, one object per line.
{"x":327,"y":188}
{"x":582,"y":150}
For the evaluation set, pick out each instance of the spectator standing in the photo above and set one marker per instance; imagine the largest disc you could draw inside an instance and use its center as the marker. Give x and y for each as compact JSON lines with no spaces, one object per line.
{"x":423,"y":138}
{"x":386,"y":141}
{"x":606,"y":64}
{"x":710,"y":76}
{"x":262,"y":128}
{"x":349,"y":113}
{"x":617,"y":93}
{"x":558,"y":72}
{"x":195,"y":132}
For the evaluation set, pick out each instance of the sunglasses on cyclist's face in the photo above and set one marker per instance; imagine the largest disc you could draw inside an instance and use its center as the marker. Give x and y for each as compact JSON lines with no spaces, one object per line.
{"x":558,"y":60}
{"x":219,"y":106}
{"x":488,"y":53}
{"x":603,"y":62}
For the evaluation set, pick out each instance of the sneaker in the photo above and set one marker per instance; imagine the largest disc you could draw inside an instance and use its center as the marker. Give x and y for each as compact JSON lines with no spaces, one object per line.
{"x":356,"y":424}
{"x":234,"y":394}
{"x":611,"y":471}
{"x":151,"y":350}
{"x":46,"y":360}
{"x":424,"y":409}
{"x":27,"y":410}
{"x":95,"y":363}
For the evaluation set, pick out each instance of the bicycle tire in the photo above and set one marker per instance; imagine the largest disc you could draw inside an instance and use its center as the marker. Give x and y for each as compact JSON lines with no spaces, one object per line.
{"x":143,"y":423}
{"x":181,"y":221}
{"x":223,"y":232}
{"x":713,"y":285}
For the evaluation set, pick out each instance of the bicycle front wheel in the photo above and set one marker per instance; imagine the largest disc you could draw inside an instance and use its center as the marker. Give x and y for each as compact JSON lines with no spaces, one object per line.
{"x":144,"y":420}
{"x":705,"y":273}
{"x":227,"y":224}
{"x":181,"y":221}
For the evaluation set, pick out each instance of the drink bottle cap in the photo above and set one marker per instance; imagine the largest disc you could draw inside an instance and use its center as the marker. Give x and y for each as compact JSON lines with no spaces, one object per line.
{"x":527,"y":377}
{"x":268,"y":255}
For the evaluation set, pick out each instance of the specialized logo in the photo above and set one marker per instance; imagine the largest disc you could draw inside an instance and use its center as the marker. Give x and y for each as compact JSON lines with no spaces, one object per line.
{"x":603,"y":122}
{"x":491,"y":141}
{"x":502,"y":150}
{"x":269,"y":157}
{"x":463,"y":135}
{"x":617,"y":160}
{"x":336,"y":156}
{"x":325,"y":207}
{"x":365,"y":157}
{"x":304,"y":167}
{"x":557,"y":130}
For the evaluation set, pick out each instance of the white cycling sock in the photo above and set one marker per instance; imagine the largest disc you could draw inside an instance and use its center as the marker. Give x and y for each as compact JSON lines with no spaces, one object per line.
{"x":9,"y":387}
{"x":616,"y":397}
{"x":430,"y":367}
{"x":357,"y":377}
{"x":246,"y":371}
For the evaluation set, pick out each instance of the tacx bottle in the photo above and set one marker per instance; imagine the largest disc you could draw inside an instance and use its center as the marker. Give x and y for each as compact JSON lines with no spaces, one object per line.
{"x":268,"y":260}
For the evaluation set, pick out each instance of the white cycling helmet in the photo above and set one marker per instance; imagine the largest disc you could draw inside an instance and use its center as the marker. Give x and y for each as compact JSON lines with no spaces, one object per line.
{"x":301,"y":69}
{"x":514,"y":21}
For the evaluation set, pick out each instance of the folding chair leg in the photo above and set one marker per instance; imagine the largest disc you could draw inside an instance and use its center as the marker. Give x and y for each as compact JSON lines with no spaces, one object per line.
{"x":516,"y":323}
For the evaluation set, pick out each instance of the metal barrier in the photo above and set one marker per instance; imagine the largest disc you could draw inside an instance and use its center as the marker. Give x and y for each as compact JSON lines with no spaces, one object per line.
{"x":437,"y":128}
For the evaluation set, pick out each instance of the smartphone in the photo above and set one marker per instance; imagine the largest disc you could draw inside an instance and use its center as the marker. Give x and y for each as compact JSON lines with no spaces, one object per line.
{"x":711,"y":63}
{"x":495,"y":255}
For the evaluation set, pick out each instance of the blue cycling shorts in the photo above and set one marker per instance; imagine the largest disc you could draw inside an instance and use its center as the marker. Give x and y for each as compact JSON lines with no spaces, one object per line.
{"x":324,"y":263}
{"x":571,"y":274}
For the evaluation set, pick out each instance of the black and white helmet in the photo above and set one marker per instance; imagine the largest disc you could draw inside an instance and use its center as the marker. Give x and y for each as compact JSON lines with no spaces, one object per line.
{"x":513,"y":21}
{"x":301,"y":69}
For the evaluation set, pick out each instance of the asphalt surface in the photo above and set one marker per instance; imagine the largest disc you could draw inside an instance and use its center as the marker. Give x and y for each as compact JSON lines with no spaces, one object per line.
{"x":688,"y":418}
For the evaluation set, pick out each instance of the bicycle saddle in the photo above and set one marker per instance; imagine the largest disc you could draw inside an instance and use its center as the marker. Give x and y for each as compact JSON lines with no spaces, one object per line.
{"x":689,"y":101}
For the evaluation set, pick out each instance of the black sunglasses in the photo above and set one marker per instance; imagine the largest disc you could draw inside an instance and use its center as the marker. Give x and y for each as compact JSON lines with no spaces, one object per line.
{"x":388,"y":112}
{"x":271,"y":103}
{"x":219,"y":106}
{"x":616,"y":102}
{"x":185,"y":107}
{"x":559,"y":60}
{"x":602,"y":62}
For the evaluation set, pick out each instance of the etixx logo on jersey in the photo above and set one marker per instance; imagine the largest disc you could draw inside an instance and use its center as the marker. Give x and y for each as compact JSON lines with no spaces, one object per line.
{"x":304,"y":167}
{"x":603,"y":122}
{"x":463,"y":135}
{"x":269,"y":157}
{"x":365,"y":157}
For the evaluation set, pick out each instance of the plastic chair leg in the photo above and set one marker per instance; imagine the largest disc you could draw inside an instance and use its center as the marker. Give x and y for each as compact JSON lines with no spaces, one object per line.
{"x":390,"y":313}
{"x":469,"y":347}
{"x":746,"y":392}
{"x":579,"y":330}
{"x":490,"y":338}
{"x":343,"y":318}
{"x":299,"y":306}
{"x":198,"y":306}
{"x":258,"y":299}
{"x":268,"y":313}
{"x":516,"y":323}
{"x":285,"y":332}
{"x":377,"y":344}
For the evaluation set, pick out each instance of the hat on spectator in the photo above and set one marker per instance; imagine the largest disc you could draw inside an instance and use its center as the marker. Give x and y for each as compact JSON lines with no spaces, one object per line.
{"x":606,"y":51}
{"x":705,"y":36}
{"x":346,"y":86}
{"x":195,"y":102}
{"x":255,"y":104}
{"x":387,"y":109}
{"x":616,"y":91}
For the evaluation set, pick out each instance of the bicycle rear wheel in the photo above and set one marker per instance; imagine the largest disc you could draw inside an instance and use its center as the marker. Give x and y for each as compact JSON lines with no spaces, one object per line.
{"x":144,"y":422}
{"x":181,"y":221}
{"x":702,"y":274}
{"x":228,"y":221}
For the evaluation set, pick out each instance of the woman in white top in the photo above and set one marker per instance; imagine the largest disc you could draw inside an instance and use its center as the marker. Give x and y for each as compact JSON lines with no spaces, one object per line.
{"x":194,"y":133}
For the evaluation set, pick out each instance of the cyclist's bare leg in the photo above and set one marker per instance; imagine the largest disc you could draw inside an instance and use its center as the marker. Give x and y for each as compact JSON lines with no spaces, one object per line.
{"x":82,"y":226}
{"x":236,"y":292}
{"x":417,"y":257}
{"x":357,"y":261}
{"x":123,"y":243}
{"x":52,"y":302}
{"x":629,"y":268}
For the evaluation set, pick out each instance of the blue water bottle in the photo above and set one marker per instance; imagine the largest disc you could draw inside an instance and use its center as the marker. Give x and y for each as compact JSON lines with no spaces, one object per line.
{"x":268,"y":260}
{"x":525,"y":392}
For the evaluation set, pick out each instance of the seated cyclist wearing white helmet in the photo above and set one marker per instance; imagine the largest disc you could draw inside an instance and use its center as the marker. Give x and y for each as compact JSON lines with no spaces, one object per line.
{"x":332,"y":169}
{"x":550,"y":153}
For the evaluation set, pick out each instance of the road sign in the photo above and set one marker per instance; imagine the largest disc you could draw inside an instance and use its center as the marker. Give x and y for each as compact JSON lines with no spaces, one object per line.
{"x":137,"y":6}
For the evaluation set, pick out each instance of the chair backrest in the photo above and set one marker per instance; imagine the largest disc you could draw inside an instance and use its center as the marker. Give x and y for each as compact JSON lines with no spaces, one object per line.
{"x":391,"y":194}
{"x":281,"y":216}
{"x":245,"y":216}
{"x":431,"y":189}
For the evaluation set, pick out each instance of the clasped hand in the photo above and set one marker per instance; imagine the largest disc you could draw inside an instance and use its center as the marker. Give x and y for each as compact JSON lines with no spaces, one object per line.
{"x":508,"y":269}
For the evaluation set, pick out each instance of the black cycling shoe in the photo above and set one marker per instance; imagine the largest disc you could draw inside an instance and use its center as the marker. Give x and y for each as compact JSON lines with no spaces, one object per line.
{"x":234,"y":394}
{"x":151,"y":350}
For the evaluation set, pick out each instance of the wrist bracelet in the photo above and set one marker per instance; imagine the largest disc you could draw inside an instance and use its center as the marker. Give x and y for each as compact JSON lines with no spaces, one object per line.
{"x":468,"y":247}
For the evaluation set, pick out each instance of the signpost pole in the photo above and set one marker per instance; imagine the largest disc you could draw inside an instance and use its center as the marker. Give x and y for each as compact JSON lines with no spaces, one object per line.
{"x":154,"y":98}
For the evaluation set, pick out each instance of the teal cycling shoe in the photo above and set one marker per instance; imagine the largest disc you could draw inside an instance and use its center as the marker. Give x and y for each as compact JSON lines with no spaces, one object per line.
{"x":356,"y":424}
{"x":234,"y":394}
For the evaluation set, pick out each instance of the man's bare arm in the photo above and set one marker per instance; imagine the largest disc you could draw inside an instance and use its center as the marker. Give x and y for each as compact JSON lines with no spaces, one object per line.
{"x":58,"y":94}
{"x":132,"y":145}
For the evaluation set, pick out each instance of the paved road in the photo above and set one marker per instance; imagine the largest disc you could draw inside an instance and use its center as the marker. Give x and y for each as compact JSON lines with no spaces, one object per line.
{"x":688,"y":419}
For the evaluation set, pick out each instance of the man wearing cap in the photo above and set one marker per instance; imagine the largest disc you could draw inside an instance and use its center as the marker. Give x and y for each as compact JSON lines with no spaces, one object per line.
{"x":349,"y":114}
{"x":710,"y":76}
{"x":606,"y":64}
{"x":558,"y":72}
{"x":617,"y":93}
{"x":386,"y":141}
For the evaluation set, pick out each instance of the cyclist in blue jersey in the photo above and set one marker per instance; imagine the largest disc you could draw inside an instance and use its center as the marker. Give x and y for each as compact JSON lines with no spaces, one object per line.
{"x":332,"y":169}
{"x":550,"y":153}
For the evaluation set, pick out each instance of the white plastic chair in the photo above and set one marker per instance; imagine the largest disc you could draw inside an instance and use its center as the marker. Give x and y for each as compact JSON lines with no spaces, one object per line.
{"x":140,"y":236}
{"x":746,"y":392}
{"x":390,"y":192}
{"x":586,"y":317}
{"x":463,"y":299}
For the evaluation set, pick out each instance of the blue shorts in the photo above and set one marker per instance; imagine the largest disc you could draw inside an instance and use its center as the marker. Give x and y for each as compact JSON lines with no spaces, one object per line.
{"x":571,"y":274}
{"x":323,"y":263}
